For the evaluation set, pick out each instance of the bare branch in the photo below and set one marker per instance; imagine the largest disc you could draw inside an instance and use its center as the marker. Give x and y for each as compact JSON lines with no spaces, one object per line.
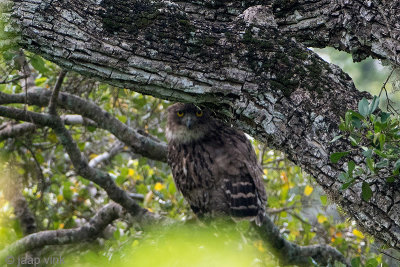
{"x":117,"y":148}
{"x":11,"y":130}
{"x":140,"y":143}
{"x":56,"y":91}
{"x":89,"y":231}
{"x":15,"y":130}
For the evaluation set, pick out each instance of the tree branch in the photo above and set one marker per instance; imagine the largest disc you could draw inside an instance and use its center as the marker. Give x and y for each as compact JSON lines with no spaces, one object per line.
{"x":56,"y":91}
{"x":117,"y":148}
{"x":140,"y":143}
{"x":292,"y":254}
{"x":89,"y":231}
{"x":12,"y":130}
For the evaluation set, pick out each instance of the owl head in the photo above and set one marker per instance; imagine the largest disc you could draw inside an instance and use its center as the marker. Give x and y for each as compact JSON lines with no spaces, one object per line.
{"x":187,"y":123}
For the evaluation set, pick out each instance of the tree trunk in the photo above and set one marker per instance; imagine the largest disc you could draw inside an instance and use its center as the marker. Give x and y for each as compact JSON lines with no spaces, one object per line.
{"x":246,"y":60}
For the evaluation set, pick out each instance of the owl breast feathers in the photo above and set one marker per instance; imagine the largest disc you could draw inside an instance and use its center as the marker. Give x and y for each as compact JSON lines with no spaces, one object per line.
{"x":214,"y":166}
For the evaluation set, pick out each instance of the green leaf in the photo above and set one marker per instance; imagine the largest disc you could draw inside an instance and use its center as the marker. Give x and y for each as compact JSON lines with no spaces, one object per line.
{"x":367,"y":153}
{"x":346,"y":185}
{"x":356,"y":122}
{"x":374,"y":104}
{"x":382,"y":140}
{"x":120,"y":179}
{"x":384,"y":116}
{"x":372,"y":263}
{"x":67,"y":192}
{"x":337,"y":137}
{"x":335,"y":157}
{"x":91,"y":128}
{"x":40,"y":81}
{"x":351,"y":166}
{"x":354,"y":114}
{"x":363,"y":107}
{"x":342,"y":125}
{"x":390,"y":179}
{"x":38,"y":64}
{"x":366,"y":193}
{"x":343,"y":177}
{"x":39,"y":158}
{"x":381,"y":154}
{"x":382,"y":164}
{"x":370,"y":164}
{"x":324,"y":200}
{"x":353,"y":141}
{"x":117,"y":234}
{"x":396,"y":166}
{"x":356,"y":262}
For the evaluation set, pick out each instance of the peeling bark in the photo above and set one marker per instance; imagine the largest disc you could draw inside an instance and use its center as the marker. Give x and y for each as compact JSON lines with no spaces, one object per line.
{"x":248,"y":63}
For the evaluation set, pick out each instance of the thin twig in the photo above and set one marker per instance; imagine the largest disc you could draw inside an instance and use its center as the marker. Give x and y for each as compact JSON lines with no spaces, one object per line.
{"x":56,"y":90}
{"x":389,"y":106}
{"x":5,"y":81}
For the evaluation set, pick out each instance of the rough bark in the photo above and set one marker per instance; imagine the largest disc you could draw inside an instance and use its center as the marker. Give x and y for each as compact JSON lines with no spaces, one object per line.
{"x":239,"y":59}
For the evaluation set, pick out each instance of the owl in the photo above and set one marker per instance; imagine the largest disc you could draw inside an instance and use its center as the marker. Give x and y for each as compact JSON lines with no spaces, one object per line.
{"x":214,"y":166}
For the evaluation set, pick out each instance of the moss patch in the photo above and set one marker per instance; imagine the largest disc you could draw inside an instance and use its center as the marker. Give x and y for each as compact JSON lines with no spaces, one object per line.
{"x":128,"y":16}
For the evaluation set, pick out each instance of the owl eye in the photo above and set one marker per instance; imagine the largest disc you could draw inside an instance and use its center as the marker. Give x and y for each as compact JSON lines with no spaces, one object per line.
{"x":199,"y":113}
{"x":180,"y":113}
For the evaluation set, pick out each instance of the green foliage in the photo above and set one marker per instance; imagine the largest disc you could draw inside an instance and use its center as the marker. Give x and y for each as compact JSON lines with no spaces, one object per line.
{"x":376,"y":134}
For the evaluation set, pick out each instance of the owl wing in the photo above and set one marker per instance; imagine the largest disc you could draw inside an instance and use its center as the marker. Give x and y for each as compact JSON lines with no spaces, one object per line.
{"x":242,"y":177}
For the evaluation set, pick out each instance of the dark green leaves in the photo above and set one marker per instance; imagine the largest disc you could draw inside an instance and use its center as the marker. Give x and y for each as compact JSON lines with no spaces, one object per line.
{"x":366,"y":193}
{"x":335,"y":157}
{"x":376,"y":135}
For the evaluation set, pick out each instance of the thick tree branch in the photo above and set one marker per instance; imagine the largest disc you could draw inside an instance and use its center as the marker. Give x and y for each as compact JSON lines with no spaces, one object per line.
{"x":15,"y":130}
{"x":89,"y":231}
{"x":362,"y":28}
{"x":290,"y":253}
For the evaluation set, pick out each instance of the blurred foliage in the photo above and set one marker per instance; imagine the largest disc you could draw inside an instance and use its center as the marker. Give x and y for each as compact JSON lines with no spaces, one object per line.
{"x":60,"y":199}
{"x":185,"y":245}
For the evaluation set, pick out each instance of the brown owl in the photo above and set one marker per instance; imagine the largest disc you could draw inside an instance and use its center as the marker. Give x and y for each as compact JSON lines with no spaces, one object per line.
{"x":214,"y":166}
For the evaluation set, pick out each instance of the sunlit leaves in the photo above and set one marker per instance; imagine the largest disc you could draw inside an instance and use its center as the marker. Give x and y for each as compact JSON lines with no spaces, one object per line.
{"x":308,"y":190}
{"x":321,"y":218}
{"x":324,"y":200}
{"x":358,"y":233}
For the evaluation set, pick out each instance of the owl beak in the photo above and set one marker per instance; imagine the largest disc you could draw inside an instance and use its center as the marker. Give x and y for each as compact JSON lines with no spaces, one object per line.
{"x":189,"y":123}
